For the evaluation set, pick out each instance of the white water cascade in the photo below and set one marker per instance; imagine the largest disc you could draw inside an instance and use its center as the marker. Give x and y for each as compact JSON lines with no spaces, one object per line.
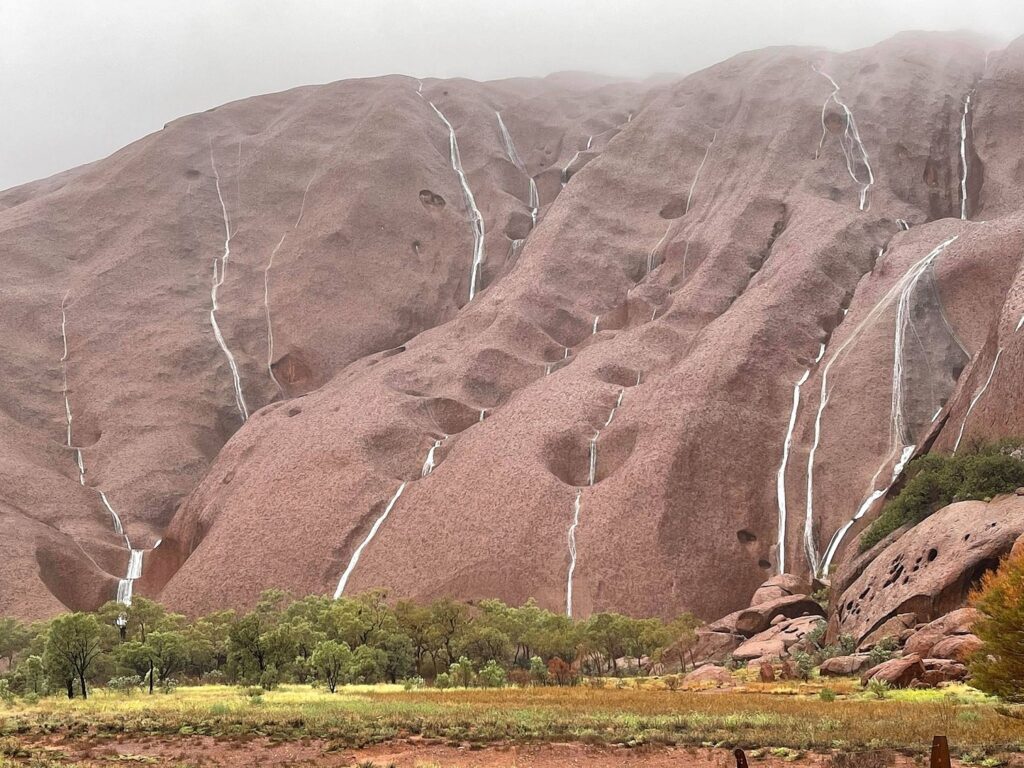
{"x":780,"y":481}
{"x":565,"y":170}
{"x":597,"y":319}
{"x":901,"y":449}
{"x":369,"y":537}
{"x":476,"y":218}
{"x":572,"y":552}
{"x":963,"y":157}
{"x":976,"y":398}
{"x":517,"y":161}
{"x":218,"y":281}
{"x":266,"y":287}
{"x":429,"y":463}
{"x":591,"y":479}
{"x":653,"y":255}
{"x":849,"y":141}
{"x":902,"y":224}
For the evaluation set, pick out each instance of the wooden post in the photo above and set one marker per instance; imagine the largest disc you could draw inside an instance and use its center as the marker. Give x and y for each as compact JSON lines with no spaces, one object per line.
{"x":940,"y":752}
{"x":741,"y":759}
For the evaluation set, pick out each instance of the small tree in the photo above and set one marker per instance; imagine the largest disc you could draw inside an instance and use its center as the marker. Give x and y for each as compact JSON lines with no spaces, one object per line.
{"x":461,"y":672}
{"x":332,"y":661}
{"x":74,"y":643}
{"x":493,"y":675}
{"x":999,"y":667}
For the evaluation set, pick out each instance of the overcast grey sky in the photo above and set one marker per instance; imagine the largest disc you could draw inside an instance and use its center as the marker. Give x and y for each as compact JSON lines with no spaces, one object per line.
{"x":81,"y":78}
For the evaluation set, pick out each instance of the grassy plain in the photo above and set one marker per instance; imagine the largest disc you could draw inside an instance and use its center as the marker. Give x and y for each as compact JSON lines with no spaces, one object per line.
{"x":786,"y":722}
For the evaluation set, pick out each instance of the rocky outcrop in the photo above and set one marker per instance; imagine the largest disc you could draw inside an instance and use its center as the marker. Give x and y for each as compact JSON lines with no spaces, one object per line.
{"x":845,"y":666}
{"x":899,"y":673}
{"x":708,"y":676}
{"x":775,"y":642}
{"x":703,"y":245}
{"x":930,"y":570}
{"x":783,"y":585}
{"x":956,"y":623}
{"x":895,"y":629}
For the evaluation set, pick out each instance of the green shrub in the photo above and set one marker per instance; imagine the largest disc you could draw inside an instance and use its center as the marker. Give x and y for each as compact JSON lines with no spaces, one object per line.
{"x":492,"y":675}
{"x":538,"y":670}
{"x":126,"y":685}
{"x":882,"y":651}
{"x":442,"y":681}
{"x":827,"y":694}
{"x":935,"y":480}
{"x":6,"y":694}
{"x":879,"y":688}
{"x":413,"y":683}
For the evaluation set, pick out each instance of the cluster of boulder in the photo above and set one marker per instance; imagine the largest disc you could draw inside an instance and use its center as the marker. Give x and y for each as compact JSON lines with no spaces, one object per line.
{"x":783,"y":619}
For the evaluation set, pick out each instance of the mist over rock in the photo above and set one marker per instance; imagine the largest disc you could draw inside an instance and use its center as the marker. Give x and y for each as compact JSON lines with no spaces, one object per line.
{"x":632,"y":346}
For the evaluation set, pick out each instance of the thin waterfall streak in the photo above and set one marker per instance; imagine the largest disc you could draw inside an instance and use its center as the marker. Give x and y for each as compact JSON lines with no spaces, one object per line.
{"x":477,"y":219}
{"x":64,"y":365}
{"x":114,"y":517}
{"x":429,"y":463}
{"x":696,"y":176}
{"x":976,"y":398}
{"x":266,"y":306}
{"x":369,"y":537}
{"x":850,"y":141}
{"x":780,"y":478}
{"x":597,"y":319}
{"x":592,"y":474}
{"x":218,"y":281}
{"x":963,"y":157}
{"x":902,"y":291}
{"x":517,"y":161}
{"x":572,"y":553}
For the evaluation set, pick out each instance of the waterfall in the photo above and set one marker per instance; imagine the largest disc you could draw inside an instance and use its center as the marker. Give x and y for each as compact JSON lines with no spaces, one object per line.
{"x":597,"y":319}
{"x":517,"y":161}
{"x":780,"y":478}
{"x":218,"y":281}
{"x":428,"y":464}
{"x":976,"y":398}
{"x":963,"y":157}
{"x":850,"y":142}
{"x":483,"y":412}
{"x":266,"y":287}
{"x":476,"y":217}
{"x":592,"y":474}
{"x":565,"y":170}
{"x":369,"y":537}
{"x":901,"y":291}
{"x":902,"y":224}
{"x":572,"y":553}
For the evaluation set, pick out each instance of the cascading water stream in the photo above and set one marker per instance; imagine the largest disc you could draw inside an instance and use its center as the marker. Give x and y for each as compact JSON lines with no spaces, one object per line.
{"x":572,"y":552}
{"x":218,"y":281}
{"x":963,"y":156}
{"x":787,"y":443}
{"x":565,"y":170}
{"x":976,"y":398}
{"x":476,"y":218}
{"x":849,"y":141}
{"x":429,"y":464}
{"x":266,"y":288}
{"x":901,"y":449}
{"x":517,"y":161}
{"x":591,"y":479}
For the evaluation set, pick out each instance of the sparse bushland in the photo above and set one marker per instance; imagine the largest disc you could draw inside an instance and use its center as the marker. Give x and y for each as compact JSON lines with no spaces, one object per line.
{"x":936,"y":479}
{"x":331,"y":643}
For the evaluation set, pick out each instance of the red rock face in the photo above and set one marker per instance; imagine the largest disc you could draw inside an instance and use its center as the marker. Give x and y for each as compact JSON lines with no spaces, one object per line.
{"x":633,"y":355}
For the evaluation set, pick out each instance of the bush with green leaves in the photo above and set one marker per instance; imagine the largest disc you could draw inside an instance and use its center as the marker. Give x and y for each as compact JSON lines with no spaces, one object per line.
{"x":827,"y":694}
{"x":442,"y":681}
{"x":538,"y":671}
{"x":935,"y":480}
{"x":461,"y":672}
{"x":883,"y":651}
{"x":879,"y":688}
{"x":126,"y":685}
{"x":492,"y":675}
{"x":6,"y":694}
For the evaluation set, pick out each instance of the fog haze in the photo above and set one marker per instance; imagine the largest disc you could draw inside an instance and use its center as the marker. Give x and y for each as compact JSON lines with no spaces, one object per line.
{"x":82,"y":78}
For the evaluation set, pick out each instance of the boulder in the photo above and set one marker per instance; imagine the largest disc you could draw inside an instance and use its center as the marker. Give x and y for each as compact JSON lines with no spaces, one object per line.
{"x":789,"y":670}
{"x":895,"y":627}
{"x":767,"y":672}
{"x":899,"y":673}
{"x":713,"y":646}
{"x":957,"y":647}
{"x":707,"y":675}
{"x":931,"y":568}
{"x":783,"y":585}
{"x":845,"y":666}
{"x":775,"y":641}
{"x":958,"y":622}
{"x":758,"y":618}
{"x":937,"y":671}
